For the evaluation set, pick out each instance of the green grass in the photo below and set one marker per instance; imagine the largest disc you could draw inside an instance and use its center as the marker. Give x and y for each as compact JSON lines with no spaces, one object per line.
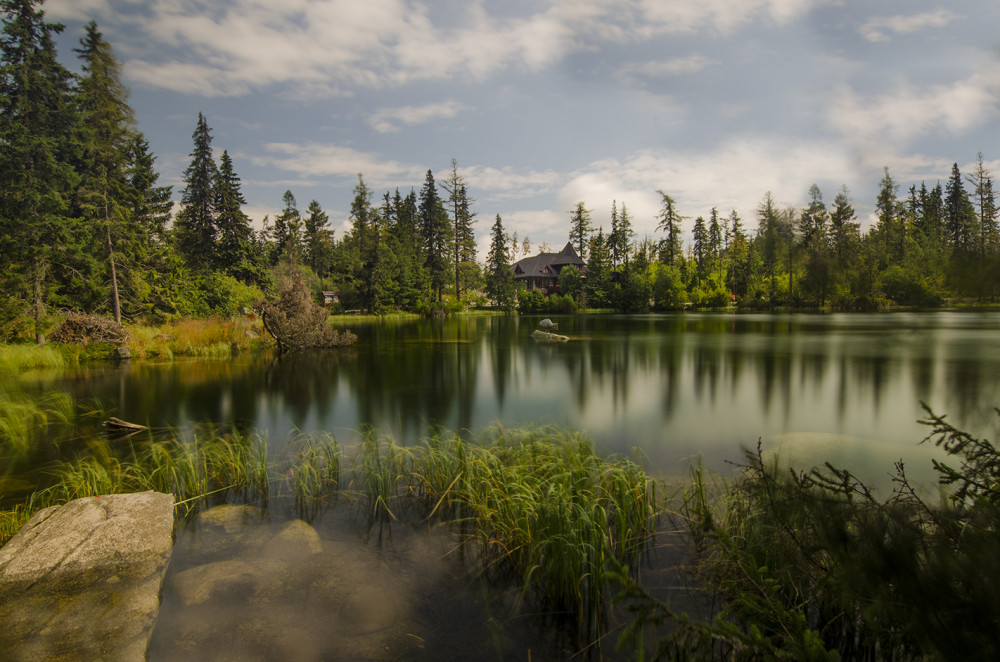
{"x":18,"y":358}
{"x":534,"y":509}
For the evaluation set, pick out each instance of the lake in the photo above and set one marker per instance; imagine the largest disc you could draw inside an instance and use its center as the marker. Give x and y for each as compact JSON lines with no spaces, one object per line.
{"x":843,"y":387}
{"x":671,"y":389}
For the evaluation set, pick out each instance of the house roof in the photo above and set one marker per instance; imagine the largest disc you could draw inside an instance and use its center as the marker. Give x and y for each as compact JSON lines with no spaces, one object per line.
{"x":547,"y":265}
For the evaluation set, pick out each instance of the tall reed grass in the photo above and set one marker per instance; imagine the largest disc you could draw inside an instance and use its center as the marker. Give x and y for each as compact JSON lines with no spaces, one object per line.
{"x":535,"y":507}
{"x":213,"y":337}
{"x":18,"y":358}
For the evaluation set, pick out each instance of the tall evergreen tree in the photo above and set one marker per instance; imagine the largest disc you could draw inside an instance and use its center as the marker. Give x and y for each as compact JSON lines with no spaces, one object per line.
{"x":889,"y":230}
{"x":287,"y":231}
{"x":960,"y":215}
{"x":715,"y":242}
{"x":195,"y":223}
{"x":699,"y":238}
{"x":36,"y":174}
{"x":499,"y":278}
{"x":580,"y":229}
{"x":435,"y":230}
{"x":670,"y":223}
{"x":598,"y":282}
{"x":235,"y":252}
{"x":151,"y":204}
{"x":844,"y":230}
{"x":106,"y":130}
{"x":462,"y":217}
{"x":985,"y":200}
{"x":317,"y":238}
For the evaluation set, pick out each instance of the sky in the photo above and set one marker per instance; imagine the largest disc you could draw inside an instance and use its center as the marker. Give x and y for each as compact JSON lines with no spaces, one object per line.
{"x":546,"y":104}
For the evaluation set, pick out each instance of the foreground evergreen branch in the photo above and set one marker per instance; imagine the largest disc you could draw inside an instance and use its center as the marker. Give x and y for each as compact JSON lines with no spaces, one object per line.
{"x":814,"y":566}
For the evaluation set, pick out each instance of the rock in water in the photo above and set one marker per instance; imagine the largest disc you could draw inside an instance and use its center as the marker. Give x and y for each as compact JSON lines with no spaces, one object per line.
{"x":82,"y":581}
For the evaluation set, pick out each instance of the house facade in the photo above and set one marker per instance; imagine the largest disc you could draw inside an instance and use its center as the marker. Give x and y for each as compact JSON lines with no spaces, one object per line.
{"x":541,"y":272}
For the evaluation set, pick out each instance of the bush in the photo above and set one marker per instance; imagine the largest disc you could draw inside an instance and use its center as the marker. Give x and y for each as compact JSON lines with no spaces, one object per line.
{"x":815,"y":566}
{"x":296,"y":322}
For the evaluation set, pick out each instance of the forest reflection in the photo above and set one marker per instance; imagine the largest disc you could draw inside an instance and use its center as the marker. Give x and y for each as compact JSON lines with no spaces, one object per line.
{"x":673,"y":386}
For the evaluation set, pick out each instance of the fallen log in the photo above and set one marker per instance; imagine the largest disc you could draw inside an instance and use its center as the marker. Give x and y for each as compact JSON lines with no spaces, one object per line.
{"x":118,"y":424}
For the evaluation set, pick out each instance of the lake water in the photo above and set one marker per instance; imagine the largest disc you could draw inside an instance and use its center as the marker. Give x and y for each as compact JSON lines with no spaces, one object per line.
{"x":844,"y":387}
{"x":674,"y":388}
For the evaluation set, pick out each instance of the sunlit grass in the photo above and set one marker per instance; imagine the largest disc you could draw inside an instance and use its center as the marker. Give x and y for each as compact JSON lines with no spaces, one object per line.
{"x":18,"y":358}
{"x":212,"y":337}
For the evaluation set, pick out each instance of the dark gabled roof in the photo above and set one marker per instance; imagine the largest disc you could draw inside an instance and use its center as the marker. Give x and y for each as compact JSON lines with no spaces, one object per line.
{"x":547,"y":264}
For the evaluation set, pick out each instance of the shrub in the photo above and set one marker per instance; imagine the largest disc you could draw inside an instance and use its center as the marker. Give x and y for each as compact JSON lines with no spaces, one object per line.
{"x":296,"y":322}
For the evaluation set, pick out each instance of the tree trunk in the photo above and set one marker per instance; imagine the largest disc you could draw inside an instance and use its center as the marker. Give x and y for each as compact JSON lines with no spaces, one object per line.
{"x":38,"y":302}
{"x":115,"y":304}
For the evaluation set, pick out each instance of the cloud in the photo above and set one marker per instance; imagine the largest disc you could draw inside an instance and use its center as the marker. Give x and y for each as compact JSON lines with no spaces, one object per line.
{"x":665,"y":68}
{"x":319,"y":160}
{"x":234,"y":47}
{"x":909,"y":111}
{"x":734,"y":175}
{"x":882,"y":28}
{"x":387,"y":120}
{"x":511,"y":183}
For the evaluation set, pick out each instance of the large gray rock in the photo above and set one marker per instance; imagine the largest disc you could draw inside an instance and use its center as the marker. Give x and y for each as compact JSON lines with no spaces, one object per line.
{"x":81,"y":581}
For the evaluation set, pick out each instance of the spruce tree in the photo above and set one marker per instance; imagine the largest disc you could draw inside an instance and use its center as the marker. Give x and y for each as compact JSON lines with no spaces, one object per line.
{"x":194,"y":227}
{"x":287,"y":232}
{"x":235,"y":252}
{"x":986,"y":205}
{"x":106,"y":131}
{"x":959,"y":214}
{"x":318,"y":238}
{"x":435,"y":231}
{"x":580,"y":229}
{"x":499,"y":278}
{"x":670,"y":223}
{"x":37,"y":118}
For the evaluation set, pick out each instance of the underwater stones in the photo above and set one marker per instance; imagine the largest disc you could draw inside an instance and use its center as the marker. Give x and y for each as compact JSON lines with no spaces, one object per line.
{"x":295,"y":541}
{"x":230,"y":517}
{"x":220,"y":579}
{"x":81,"y":581}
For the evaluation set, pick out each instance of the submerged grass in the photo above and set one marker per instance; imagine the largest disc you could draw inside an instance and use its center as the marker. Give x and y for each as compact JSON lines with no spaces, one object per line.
{"x":535,"y":509}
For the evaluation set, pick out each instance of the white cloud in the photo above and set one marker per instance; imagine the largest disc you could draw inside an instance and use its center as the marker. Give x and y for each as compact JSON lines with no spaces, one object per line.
{"x":509,"y":183}
{"x":318,"y":160}
{"x":882,"y":28}
{"x":664,"y":68}
{"x":233,"y":47}
{"x":910,"y":111}
{"x":387,"y":120}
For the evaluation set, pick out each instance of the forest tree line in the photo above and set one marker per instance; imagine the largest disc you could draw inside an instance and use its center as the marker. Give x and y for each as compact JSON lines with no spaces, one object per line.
{"x":85,"y":225}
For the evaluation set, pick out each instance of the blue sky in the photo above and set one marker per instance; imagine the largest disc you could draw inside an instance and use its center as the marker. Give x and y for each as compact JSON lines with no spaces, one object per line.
{"x":544,"y":104}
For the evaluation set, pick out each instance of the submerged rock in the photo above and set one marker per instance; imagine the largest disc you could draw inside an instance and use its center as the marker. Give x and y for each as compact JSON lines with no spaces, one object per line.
{"x":223,"y":579}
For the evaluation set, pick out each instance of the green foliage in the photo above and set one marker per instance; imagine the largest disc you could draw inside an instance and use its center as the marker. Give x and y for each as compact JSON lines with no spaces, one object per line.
{"x":815,"y":566}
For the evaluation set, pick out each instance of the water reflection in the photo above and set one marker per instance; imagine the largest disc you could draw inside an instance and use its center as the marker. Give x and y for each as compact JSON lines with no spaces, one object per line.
{"x":674,"y":386}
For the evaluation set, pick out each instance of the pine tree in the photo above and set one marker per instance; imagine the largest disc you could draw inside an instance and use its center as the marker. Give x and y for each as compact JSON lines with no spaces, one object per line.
{"x":699,"y":238}
{"x":435,"y":230}
{"x":287,"y":232}
{"x":580,"y":229}
{"x":151,"y":204}
{"x":844,"y":230}
{"x":317,"y":238}
{"x":499,"y":278}
{"x":715,"y":242}
{"x":195,"y":223}
{"x":598,"y":282}
{"x":36,"y":173}
{"x":235,"y":252}
{"x":670,"y":222}
{"x":959,"y":214}
{"x":106,"y":131}
{"x":463,"y":238}
{"x":986,"y":205}
{"x":889,"y":229}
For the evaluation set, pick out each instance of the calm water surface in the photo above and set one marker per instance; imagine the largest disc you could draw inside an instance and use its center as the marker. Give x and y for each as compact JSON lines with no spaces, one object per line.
{"x":844,"y":388}
{"x":675,"y":387}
